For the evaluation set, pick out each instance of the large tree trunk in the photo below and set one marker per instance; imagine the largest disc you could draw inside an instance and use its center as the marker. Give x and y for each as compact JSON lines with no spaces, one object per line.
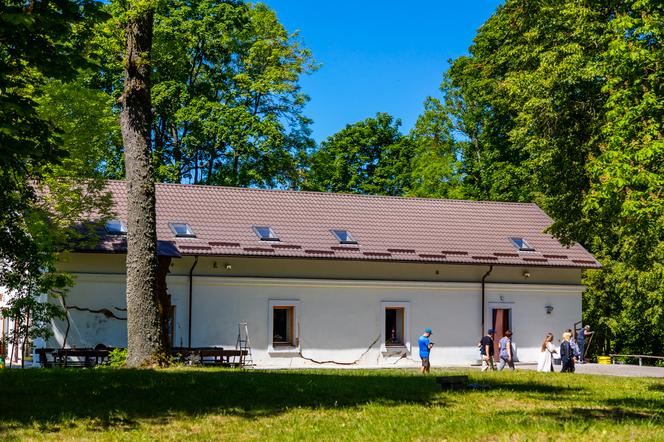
{"x":144,"y":332}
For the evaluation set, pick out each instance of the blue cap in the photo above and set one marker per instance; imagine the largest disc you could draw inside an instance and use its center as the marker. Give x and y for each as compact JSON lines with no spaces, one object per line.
{"x":490,"y":331}
{"x":427,"y":330}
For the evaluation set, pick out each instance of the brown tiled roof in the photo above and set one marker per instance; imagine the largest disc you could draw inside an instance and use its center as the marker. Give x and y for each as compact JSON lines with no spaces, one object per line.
{"x":386,"y":228}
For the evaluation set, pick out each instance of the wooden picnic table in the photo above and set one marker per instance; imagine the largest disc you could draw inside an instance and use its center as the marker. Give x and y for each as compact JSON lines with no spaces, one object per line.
{"x":89,"y":357}
{"x":212,"y":355}
{"x":73,"y":357}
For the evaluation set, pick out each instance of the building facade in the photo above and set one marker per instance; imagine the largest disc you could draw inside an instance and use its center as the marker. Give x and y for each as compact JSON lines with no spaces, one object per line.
{"x":335,"y":279}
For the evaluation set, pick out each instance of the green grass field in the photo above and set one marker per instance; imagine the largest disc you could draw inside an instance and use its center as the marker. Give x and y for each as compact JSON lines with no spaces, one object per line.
{"x":385,"y":405}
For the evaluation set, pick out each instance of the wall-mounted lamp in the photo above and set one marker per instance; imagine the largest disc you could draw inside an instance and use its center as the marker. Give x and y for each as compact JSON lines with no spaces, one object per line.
{"x":228,"y":266}
{"x":526,"y":274}
{"x":548,"y":308}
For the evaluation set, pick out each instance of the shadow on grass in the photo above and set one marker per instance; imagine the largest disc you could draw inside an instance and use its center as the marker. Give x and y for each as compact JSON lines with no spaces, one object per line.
{"x":51,"y":399}
{"x":581,"y":415}
{"x":546,"y":390}
{"x":650,"y":404}
{"x":657,"y":387}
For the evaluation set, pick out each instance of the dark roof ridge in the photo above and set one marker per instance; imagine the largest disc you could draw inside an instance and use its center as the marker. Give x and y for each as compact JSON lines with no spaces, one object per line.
{"x":331,"y":194}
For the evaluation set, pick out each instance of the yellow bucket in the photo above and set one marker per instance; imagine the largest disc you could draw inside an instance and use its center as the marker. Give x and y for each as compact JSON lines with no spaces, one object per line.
{"x":606,"y":360}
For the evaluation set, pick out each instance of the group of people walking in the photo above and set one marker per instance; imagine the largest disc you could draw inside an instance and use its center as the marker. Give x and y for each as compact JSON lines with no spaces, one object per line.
{"x":571,"y":351}
{"x":505,"y":351}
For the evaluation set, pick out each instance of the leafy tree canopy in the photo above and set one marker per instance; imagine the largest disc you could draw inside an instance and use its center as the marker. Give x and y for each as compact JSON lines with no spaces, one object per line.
{"x":41,"y":41}
{"x":560,"y":102}
{"x":363,"y":157}
{"x":225,"y":93}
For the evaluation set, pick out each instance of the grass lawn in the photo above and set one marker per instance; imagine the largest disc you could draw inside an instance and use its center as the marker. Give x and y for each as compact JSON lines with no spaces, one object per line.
{"x":385,"y":405}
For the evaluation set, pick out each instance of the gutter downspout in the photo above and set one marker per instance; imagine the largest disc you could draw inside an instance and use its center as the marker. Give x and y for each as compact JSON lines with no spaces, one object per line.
{"x":483,"y":303}
{"x":191,"y":277}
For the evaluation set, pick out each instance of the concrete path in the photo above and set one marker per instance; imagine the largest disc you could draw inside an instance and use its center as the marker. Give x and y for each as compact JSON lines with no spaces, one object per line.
{"x":611,"y":370}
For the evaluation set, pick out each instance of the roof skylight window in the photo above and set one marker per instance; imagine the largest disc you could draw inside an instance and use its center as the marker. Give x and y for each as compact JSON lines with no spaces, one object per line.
{"x":343,"y":236}
{"x":116,"y":227}
{"x":265,"y":233}
{"x":522,"y":245}
{"x":182,"y":230}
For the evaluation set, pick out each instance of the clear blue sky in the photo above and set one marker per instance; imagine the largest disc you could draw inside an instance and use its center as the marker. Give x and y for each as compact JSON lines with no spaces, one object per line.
{"x":378,"y":56}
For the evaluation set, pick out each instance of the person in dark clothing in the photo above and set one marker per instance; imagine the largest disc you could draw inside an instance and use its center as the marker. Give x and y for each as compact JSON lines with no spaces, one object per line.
{"x":567,"y":354}
{"x":581,"y":342}
{"x":487,"y":351}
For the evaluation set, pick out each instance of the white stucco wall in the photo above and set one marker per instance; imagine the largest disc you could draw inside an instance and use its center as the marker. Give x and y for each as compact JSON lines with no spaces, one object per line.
{"x":338,"y":319}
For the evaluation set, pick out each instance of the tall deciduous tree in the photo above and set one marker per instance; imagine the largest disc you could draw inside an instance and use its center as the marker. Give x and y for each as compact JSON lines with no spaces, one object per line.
{"x":364,"y":157}
{"x":560,"y":102}
{"x":372,"y":156}
{"x":434,"y":169}
{"x":40,"y":41}
{"x":144,"y":334}
{"x":228,"y":108}
{"x":626,"y":196}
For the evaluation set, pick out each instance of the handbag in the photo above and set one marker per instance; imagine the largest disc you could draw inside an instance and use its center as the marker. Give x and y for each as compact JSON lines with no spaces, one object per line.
{"x":556,"y":358}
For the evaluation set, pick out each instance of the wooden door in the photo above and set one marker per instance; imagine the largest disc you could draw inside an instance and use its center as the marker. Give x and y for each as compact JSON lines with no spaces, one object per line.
{"x":501,"y":323}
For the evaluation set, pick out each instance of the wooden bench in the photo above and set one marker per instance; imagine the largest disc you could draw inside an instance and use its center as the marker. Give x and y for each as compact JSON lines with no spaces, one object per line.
{"x":452,"y":382}
{"x":88,"y":357}
{"x":72,"y":357}
{"x":212,"y":355}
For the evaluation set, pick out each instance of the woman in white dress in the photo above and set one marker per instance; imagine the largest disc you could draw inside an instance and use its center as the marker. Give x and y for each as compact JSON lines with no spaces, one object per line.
{"x":545,"y":360}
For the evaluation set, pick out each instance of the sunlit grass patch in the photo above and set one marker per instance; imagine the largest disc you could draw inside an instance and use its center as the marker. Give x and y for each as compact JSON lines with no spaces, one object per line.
{"x":212,"y":403}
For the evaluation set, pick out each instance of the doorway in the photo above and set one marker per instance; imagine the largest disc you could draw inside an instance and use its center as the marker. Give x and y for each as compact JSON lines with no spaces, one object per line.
{"x":501,"y":322}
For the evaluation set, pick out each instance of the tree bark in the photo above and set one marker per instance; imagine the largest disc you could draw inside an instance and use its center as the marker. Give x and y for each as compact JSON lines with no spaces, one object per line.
{"x":144,"y":328}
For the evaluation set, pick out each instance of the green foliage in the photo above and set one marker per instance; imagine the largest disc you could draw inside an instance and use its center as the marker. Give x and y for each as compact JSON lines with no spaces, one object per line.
{"x":32,"y":318}
{"x":117,"y":358}
{"x":88,"y":128}
{"x":42,"y":43}
{"x":435,"y":171}
{"x":228,"y":106}
{"x":561,"y":103}
{"x":34,"y":41}
{"x":370,"y":156}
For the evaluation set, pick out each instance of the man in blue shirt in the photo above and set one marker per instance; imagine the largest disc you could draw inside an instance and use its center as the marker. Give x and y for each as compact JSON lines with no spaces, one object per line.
{"x":425,"y":349}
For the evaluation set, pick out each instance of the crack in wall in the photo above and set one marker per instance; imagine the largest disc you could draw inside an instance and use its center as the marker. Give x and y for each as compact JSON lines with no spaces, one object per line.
{"x":104,"y":311}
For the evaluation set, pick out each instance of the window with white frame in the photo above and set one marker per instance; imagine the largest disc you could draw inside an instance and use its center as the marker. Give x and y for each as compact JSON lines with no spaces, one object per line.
{"x":283,"y":325}
{"x":395,"y":328}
